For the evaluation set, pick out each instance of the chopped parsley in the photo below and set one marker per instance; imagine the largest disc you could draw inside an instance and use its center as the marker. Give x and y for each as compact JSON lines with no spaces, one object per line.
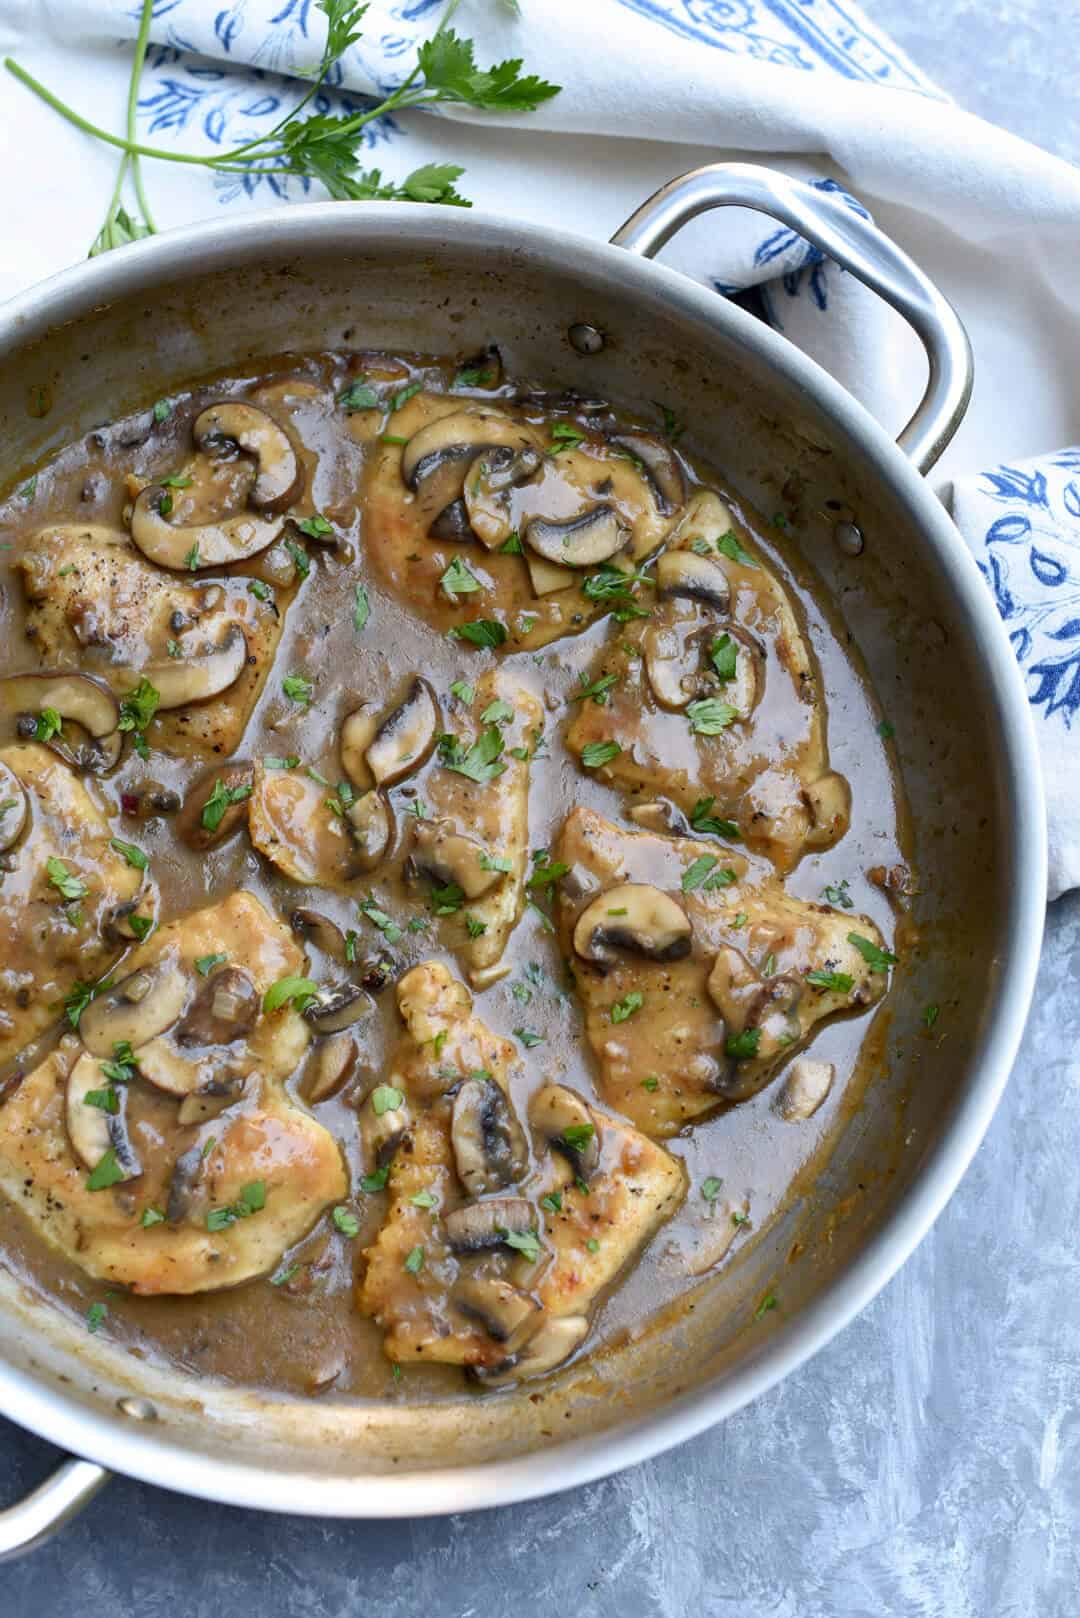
{"x":511,"y":546}
{"x":221,"y":797}
{"x":837,"y":894}
{"x":139,"y":707}
{"x":361,"y":608}
{"x":552,"y":1202}
{"x":68,"y":886}
{"x":624,"y":1008}
{"x":205,"y":964}
{"x":877,"y":959}
{"x":131,"y":852}
{"x":525,"y":1242}
{"x":475,"y":927}
{"x":709,"y":716}
{"x":770,"y":1301}
{"x":835,"y":982}
{"x":546,"y":871}
{"x":301,"y":991}
{"x":252,"y":1199}
{"x":497,"y":713}
{"x":424,"y":1199}
{"x":651,"y":1083}
{"x":673,"y":427}
{"x":49,"y":724}
{"x":695,"y":874}
{"x":724,"y":657}
{"x":593,"y":1245}
{"x":358,"y":396}
{"x":598,"y":690}
{"x":192,"y":559}
{"x":743,"y":1047}
{"x":886,"y":731}
{"x":594,"y":754}
{"x":378,"y":918}
{"x":528,"y":1037}
{"x":414,"y":1260}
{"x":346,"y":1222}
{"x":105,"y":1173}
{"x":141,"y":926}
{"x":728,"y":545}
{"x":384,"y":1098}
{"x":463,"y":691}
{"x":931,"y":1015}
{"x":95,"y":1317}
{"x":481,"y":762}
{"x":163,"y":409}
{"x":401,"y":399}
{"x":702,"y":819}
{"x":710,"y":1188}
{"x":106,"y":1100}
{"x":565,"y":436}
{"x":150,"y":1217}
{"x":272,"y":762}
{"x":301,"y":559}
{"x":459,"y":579}
{"x":495,"y":862}
{"x":377,"y":1181}
{"x":282,"y":1276}
{"x":480,"y":632}
{"x":298,"y":689}
{"x":740,"y":1218}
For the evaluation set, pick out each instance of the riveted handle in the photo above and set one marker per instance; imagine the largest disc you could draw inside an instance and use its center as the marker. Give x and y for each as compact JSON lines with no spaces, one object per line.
{"x":32,"y":1521}
{"x":855,"y":244}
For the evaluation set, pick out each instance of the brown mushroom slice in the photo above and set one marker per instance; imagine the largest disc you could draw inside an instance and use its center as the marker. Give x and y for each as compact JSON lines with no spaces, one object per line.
{"x":382,"y":1128}
{"x":116,"y":924}
{"x":490,"y":1150}
{"x":94,"y":1129}
{"x":14,"y":808}
{"x":334,"y":1061}
{"x":551,"y":1344}
{"x":661,"y":467}
{"x":79,"y":700}
{"x":235,"y":782}
{"x":371,"y":821}
{"x":569,"y":1125}
{"x":139,"y":1007}
{"x":320,"y":931}
{"x":452,"y":524}
{"x":211,"y":1100}
{"x":480,"y":1225}
{"x":829,"y":801}
{"x":506,"y":1313}
{"x":279,"y":478}
{"x":805,"y":1089}
{"x":162,"y":1065}
{"x":406,"y":738}
{"x":546,"y":577}
{"x":336,"y":1007}
{"x":224,"y":1010}
{"x":436,"y":459}
{"x":190,"y":549}
{"x":690,"y":577}
{"x":193,"y":677}
{"x":447,"y":858}
{"x":683,"y":661}
{"x":734,"y":987}
{"x":489,"y":483}
{"x":358,"y":731}
{"x":636,"y":917}
{"x":705,"y":518}
{"x":582,"y":541}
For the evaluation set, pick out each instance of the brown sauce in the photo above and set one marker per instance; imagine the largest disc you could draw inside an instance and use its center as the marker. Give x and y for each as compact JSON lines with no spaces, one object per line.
{"x":306,"y":1334}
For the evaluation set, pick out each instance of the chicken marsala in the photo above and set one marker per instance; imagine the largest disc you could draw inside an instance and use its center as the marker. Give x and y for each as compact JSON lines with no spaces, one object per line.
{"x":427,"y":897}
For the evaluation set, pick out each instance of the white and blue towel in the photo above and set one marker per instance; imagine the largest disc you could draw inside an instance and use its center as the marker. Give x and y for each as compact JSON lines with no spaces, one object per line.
{"x":653,"y":87}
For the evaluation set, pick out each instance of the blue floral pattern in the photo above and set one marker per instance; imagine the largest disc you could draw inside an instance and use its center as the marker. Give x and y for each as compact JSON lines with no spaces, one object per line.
{"x":1032,"y":564}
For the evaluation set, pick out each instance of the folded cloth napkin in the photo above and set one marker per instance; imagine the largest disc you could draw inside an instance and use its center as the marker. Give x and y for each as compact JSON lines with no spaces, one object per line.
{"x":651,"y":88}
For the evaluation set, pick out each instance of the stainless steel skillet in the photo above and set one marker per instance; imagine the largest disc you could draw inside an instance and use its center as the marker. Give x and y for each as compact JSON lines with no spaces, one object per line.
{"x":113,"y":332}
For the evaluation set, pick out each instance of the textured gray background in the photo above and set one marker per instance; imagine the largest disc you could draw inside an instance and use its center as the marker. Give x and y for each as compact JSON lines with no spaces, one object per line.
{"x":926,"y":1463}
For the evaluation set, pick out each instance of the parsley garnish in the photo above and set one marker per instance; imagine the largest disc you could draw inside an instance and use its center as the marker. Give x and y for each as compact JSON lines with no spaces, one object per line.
{"x":414,"y":1260}
{"x":480,"y":632}
{"x":877,"y":959}
{"x":497,"y":713}
{"x":301,"y":559}
{"x":377,"y":1181}
{"x":886,"y":731}
{"x":724,"y":657}
{"x":552,"y":1202}
{"x":272,"y":762}
{"x":528,"y":1037}
{"x":95,"y":1317}
{"x":695,"y":874}
{"x":298,"y":689}
{"x":728,"y":545}
{"x":624,"y":1008}
{"x":252,"y":1199}
{"x":598,"y":690}
{"x":594,"y":754}
{"x":302,"y":991}
{"x":205,"y":964}
{"x":358,"y":396}
{"x":511,"y":546}
{"x":139,"y":707}
{"x":107,"y":1099}
{"x":702,"y":819}
{"x":213,"y":810}
{"x":68,"y":886}
{"x":481,"y":762}
{"x":131,"y":852}
{"x":346,"y":1222}
{"x":931,"y":1015}
{"x":378,"y":918}
{"x":105,"y":1173}
{"x":710,"y":716}
{"x":260,"y":590}
{"x":527,"y":1243}
{"x":743,"y":1047}
{"x":463,"y":692}
{"x":400,"y":400}
{"x":835,"y":982}
{"x":49,"y":724}
{"x":710,"y":1188}
{"x":459,"y":579}
{"x":837,"y":894}
{"x":769,"y":1302}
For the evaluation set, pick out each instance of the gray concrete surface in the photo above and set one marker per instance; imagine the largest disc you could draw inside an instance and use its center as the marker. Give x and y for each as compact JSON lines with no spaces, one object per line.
{"x":925,"y":1465}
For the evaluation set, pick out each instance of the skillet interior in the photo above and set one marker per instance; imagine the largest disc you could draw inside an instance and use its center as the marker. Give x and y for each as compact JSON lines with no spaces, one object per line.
{"x":417,"y":284}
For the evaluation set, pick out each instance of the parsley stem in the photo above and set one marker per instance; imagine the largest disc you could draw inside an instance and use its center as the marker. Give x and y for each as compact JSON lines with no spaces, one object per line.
{"x":141,"y":41}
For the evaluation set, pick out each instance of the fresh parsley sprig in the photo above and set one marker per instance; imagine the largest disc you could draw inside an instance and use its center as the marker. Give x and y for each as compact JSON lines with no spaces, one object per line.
{"x":314,"y":145}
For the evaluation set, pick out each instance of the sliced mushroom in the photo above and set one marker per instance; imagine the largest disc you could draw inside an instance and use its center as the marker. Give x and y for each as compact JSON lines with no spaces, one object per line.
{"x":661,"y":468}
{"x":546,"y":578}
{"x":210,"y":1100}
{"x":234,"y":778}
{"x":489,"y":484}
{"x":138,"y":1008}
{"x":553,"y":1342}
{"x":280,"y":476}
{"x":358,"y":731}
{"x":162,"y":1065}
{"x":656,"y":815}
{"x":185,"y":1177}
{"x":336,"y":1007}
{"x":334,"y":1062}
{"x":681,"y":664}
{"x":567,"y":1124}
{"x":80,"y":701}
{"x":486,"y":366}
{"x":371,"y":820}
{"x":452,"y":524}
{"x":506,"y":1313}
{"x":188,"y":550}
{"x":489,"y":1144}
{"x":319,"y":930}
{"x":94,"y":1130}
{"x":447,"y":857}
{"x":582,"y":541}
{"x":405,"y":738}
{"x":435,"y":460}
{"x":194,"y":677}
{"x":673,"y":661}
{"x":14,"y":808}
{"x":637,"y":917}
{"x":776,"y":1015}
{"x":487,"y":1224}
{"x":116,"y":927}
{"x":829,"y":801}
{"x":381,"y":1133}
{"x":805,"y":1088}
{"x":686,"y":575}
{"x":224,"y":1010}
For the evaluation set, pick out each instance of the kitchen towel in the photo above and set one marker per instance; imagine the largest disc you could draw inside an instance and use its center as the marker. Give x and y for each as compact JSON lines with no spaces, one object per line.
{"x":651,"y":88}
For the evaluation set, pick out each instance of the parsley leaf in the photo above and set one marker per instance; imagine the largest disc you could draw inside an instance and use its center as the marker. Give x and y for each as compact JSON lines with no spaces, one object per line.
{"x":624,"y":1008}
{"x":298,"y":689}
{"x":449,"y":66}
{"x":213,"y":810}
{"x":69,"y":887}
{"x":378,"y":918}
{"x":486,"y":632}
{"x":728,"y":545}
{"x":702,"y":819}
{"x":139,"y":707}
{"x":464,"y":692}
{"x":459,"y":579}
{"x":49,"y":724}
{"x":528,"y":1037}
{"x":131,"y":852}
{"x":302,"y":991}
{"x":709,"y":716}
{"x":346,"y":1222}
{"x":743,"y":1047}
{"x":837,"y":894}
{"x":205,"y":964}
{"x":414,"y":1260}
{"x":835,"y":982}
{"x":594,"y":754}
{"x":724,"y":657}
{"x":105,"y":1173}
{"x":525,"y":1242}
{"x":358,"y":395}
{"x":481,"y":762}
{"x":877,"y":959}
{"x":598,"y":690}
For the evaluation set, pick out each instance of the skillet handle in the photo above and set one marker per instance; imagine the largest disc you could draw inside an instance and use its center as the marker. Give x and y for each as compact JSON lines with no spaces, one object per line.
{"x":53,"y":1503}
{"x":855,"y":244}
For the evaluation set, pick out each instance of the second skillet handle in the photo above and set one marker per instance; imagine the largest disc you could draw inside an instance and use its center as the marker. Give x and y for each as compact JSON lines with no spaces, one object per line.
{"x":855,"y":244}
{"x":32,"y":1521}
